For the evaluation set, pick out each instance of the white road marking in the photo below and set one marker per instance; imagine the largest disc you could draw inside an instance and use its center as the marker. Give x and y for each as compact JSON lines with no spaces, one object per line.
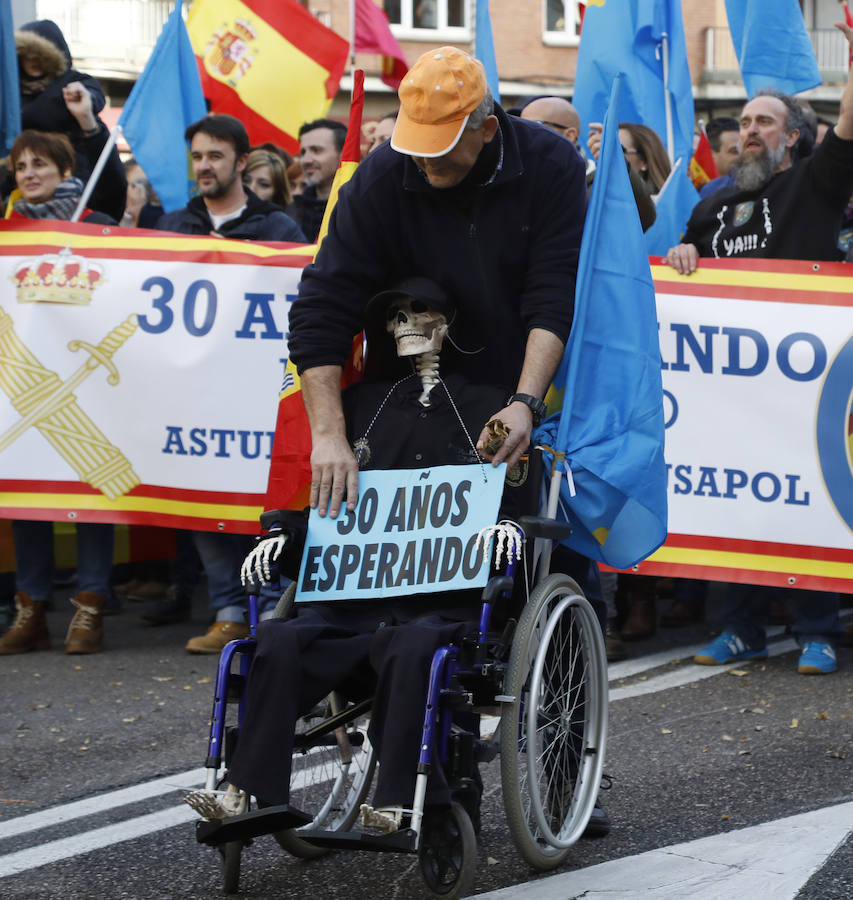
{"x":92,"y":805}
{"x":96,"y":839}
{"x":690,"y":673}
{"x":774,"y":859}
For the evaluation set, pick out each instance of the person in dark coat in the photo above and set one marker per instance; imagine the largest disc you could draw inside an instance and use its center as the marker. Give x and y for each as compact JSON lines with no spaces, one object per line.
{"x":219,"y":147}
{"x":56,"y":98}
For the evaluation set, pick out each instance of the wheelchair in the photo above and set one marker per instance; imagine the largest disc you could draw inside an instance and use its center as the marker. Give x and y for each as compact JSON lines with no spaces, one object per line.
{"x":541,"y":680}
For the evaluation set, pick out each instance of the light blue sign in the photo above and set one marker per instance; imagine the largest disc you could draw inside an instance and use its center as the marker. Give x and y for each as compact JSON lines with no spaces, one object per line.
{"x":413,"y":531}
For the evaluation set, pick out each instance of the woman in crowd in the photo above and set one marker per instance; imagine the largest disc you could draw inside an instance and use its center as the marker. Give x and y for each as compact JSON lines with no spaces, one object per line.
{"x":266,"y":175}
{"x":646,"y":153}
{"x":46,"y":189}
{"x":143,"y":208}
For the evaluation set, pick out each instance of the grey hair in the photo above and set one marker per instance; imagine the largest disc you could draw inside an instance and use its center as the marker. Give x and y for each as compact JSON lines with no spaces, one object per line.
{"x":796,"y":117}
{"x":482,"y":112}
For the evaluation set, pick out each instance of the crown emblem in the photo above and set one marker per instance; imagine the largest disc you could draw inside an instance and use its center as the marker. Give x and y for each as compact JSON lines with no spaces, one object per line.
{"x":228,"y":54}
{"x":244,"y":30}
{"x":57,"y":278}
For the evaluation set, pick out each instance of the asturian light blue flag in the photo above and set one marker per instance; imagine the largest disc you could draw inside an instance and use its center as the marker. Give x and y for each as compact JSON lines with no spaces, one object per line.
{"x":484,"y":46}
{"x":10,"y":92}
{"x":165,"y":100}
{"x":772,"y":45}
{"x":674,"y":205}
{"x":628,"y":36}
{"x":611,"y":425}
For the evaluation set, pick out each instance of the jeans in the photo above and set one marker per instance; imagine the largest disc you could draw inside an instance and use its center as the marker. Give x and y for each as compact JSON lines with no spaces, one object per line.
{"x":34,"y":558}
{"x":745,"y":608}
{"x":222,"y":555}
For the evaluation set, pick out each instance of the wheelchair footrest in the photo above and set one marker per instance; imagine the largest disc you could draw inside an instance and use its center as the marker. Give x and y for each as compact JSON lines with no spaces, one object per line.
{"x":251,"y":824}
{"x":402,"y":841}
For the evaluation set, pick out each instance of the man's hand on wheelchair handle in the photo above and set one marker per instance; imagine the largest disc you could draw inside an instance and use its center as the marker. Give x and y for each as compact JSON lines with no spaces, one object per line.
{"x":334,"y":475}
{"x":518,"y":421}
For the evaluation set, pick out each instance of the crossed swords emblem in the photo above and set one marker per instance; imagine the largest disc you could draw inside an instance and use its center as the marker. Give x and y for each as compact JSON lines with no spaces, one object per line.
{"x":49,"y":404}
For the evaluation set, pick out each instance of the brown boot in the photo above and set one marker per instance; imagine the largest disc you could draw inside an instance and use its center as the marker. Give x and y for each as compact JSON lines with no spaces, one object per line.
{"x":642,"y":618}
{"x":218,"y":635}
{"x":616,"y":650}
{"x":86,"y":631}
{"x":29,"y":630}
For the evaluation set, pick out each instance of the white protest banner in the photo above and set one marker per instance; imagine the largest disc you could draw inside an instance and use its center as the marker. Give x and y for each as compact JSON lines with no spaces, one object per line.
{"x":140,"y":374}
{"x":758,"y":374}
{"x":141,"y":386}
{"x":412,"y":531}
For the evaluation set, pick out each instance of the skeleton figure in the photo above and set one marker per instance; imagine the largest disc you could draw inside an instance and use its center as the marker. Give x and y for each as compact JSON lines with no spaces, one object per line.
{"x":419,"y":332}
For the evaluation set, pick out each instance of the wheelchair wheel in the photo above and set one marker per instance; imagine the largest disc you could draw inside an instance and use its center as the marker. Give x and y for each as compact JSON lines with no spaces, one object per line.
{"x":448,"y":853}
{"x":231,"y":853}
{"x":330,"y":779}
{"x":553,"y":732}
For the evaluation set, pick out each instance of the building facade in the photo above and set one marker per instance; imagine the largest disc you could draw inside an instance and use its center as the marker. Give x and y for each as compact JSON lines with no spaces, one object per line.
{"x":536,"y":44}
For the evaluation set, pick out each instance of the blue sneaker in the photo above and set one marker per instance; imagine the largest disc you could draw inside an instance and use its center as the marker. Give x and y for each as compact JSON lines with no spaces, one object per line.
{"x":817,"y":658}
{"x":727,"y":648}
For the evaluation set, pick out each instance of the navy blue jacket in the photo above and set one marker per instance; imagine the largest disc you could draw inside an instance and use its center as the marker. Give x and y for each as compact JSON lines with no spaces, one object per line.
{"x":260,"y":221}
{"x":506,"y":251}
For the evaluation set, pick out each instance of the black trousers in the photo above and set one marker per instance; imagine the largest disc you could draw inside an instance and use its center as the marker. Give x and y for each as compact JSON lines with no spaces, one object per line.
{"x":334,"y":647}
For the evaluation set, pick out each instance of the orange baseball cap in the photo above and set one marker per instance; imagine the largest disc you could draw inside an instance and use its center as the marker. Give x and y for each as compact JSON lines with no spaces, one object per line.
{"x":437,"y":95}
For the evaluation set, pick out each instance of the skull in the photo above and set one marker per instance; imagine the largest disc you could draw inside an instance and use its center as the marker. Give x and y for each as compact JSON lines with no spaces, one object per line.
{"x":416,"y":328}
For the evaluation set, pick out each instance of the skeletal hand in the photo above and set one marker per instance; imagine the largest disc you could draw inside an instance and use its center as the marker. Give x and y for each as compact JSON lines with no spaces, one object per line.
{"x":257,"y":563}
{"x":508,"y":537}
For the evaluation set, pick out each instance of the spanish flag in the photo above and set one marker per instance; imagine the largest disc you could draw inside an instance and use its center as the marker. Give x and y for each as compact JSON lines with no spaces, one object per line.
{"x":270,"y":63}
{"x":702,"y":167}
{"x":289,"y":483}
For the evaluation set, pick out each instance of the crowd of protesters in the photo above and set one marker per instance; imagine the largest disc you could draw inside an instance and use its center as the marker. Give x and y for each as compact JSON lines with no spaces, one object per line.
{"x":262,"y":193}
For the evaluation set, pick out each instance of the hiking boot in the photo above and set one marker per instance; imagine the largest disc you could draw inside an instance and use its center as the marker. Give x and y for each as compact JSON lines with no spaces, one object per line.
{"x":614,"y":647}
{"x":682,"y":613}
{"x":29,"y":630}
{"x":817,"y":658}
{"x":642,"y":618}
{"x":218,"y":635}
{"x":174,"y":608}
{"x":727,"y":648}
{"x":86,"y":631}
{"x":144,"y":591}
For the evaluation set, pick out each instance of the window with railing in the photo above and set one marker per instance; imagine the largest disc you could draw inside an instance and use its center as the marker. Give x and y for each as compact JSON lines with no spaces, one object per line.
{"x":830,"y":48}
{"x":561,"y":22}
{"x":429,"y":20}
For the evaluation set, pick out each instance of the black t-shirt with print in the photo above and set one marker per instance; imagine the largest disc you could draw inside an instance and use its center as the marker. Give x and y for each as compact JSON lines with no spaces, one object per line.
{"x":796,"y":215}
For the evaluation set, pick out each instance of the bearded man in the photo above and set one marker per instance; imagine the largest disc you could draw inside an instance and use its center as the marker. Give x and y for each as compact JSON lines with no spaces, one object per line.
{"x":224,"y":207}
{"x":779,"y":207}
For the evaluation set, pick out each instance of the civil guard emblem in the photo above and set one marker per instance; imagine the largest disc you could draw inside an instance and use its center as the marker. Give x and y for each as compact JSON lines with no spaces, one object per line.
{"x":743,"y":213}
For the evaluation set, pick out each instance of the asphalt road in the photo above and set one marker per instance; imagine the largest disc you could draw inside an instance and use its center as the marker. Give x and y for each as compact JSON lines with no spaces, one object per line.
{"x":101,"y":746}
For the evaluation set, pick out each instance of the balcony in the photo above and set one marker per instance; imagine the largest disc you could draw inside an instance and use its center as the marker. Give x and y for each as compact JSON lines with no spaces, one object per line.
{"x":108,"y":38}
{"x":721,"y":67}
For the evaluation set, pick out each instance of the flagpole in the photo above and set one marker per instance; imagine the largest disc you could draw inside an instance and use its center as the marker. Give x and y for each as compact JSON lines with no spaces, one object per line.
{"x":670,"y":140}
{"x":352,"y":40}
{"x":96,"y":173}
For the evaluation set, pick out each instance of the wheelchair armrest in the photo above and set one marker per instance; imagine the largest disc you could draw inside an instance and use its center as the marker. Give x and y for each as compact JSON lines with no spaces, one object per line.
{"x":496,"y":586}
{"x":540,"y":527}
{"x":294,"y":521}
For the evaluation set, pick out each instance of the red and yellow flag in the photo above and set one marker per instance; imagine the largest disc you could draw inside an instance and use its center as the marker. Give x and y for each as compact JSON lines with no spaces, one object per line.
{"x":289,"y":482}
{"x":270,"y":63}
{"x":373,"y":35}
{"x":703,"y":167}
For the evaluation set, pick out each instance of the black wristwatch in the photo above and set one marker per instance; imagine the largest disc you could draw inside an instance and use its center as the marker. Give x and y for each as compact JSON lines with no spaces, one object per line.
{"x":537,"y":406}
